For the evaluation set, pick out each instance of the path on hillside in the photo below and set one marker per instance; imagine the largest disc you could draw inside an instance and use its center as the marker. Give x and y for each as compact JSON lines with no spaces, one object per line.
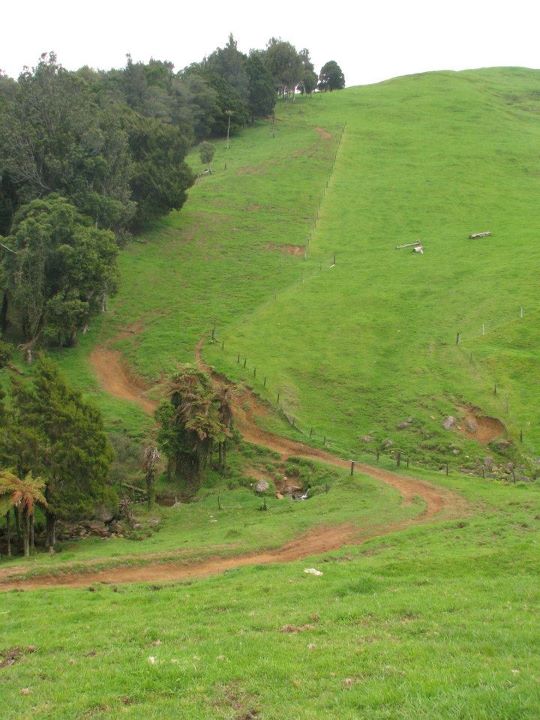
{"x":115,"y":379}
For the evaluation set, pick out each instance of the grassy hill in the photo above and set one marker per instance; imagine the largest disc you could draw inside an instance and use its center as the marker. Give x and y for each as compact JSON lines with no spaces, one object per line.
{"x":436,"y":620}
{"x":361,"y":347}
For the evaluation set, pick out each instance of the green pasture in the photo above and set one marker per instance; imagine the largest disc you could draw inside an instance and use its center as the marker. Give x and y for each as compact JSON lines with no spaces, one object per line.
{"x":435,"y":621}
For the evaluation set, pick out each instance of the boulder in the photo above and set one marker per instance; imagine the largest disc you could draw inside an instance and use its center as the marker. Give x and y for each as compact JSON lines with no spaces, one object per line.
{"x":262,"y":486}
{"x":449,"y":422}
{"x":471,"y":425}
{"x":404,"y":425}
{"x":387,"y":444}
{"x":366,"y":438}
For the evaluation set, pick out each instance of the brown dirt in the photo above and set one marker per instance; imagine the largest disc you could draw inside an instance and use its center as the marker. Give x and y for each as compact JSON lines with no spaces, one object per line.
{"x":297,"y":250}
{"x":115,"y":378}
{"x":324,"y":134}
{"x":482,"y":428}
{"x":438,"y":502}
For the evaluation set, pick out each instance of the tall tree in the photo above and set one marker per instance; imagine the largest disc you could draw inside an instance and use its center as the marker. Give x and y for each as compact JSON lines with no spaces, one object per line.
{"x":262,"y":94}
{"x":192,"y":421}
{"x":59,"y":272}
{"x":309,"y":76}
{"x":22,"y":495}
{"x":68,"y":447}
{"x":331,"y":77}
{"x":285,"y":65}
{"x":160,"y":177}
{"x":55,"y":138}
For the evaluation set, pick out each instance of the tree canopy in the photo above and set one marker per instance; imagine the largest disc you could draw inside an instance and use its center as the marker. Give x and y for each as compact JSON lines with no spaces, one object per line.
{"x":192,"y":420}
{"x":331,"y":77}
{"x":52,"y":432}
{"x":59,"y":272}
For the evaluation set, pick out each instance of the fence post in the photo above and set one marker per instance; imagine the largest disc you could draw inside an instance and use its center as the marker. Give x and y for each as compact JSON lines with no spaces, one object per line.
{"x":352,"y":468}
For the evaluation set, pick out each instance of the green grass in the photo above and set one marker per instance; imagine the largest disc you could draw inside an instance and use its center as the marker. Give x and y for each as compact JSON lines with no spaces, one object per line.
{"x":436,"y":621}
{"x":198,"y":530}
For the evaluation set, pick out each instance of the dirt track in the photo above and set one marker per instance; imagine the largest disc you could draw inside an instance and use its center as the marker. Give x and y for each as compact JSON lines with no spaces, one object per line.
{"x":115,"y":379}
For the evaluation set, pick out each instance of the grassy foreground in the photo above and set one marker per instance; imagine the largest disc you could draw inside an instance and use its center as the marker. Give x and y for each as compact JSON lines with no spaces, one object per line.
{"x":436,"y":621}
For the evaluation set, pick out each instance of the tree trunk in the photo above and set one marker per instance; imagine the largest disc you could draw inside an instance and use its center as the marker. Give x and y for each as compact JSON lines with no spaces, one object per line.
{"x":187,"y":471}
{"x":26,"y":533}
{"x":17,"y":523}
{"x":8,"y":533}
{"x":32,"y":533}
{"x":150,"y":488}
{"x":51,"y":532}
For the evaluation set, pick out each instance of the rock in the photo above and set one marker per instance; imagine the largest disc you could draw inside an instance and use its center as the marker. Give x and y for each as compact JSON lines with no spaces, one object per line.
{"x":488,"y":462}
{"x":279,"y":496}
{"x":262,"y":486}
{"x":404,"y":424}
{"x":471,"y":425}
{"x":449,"y":422}
{"x":501,"y":445}
{"x":366,"y":438}
{"x":455,"y":451}
{"x":313,"y":571}
{"x":387,"y":444}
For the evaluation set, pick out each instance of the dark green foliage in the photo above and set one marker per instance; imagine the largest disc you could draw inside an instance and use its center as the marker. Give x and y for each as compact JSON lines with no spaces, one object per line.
{"x":59,"y":274}
{"x":285,"y":65}
{"x":193,"y":419}
{"x":309,"y":77}
{"x":52,"y":432}
{"x":6,"y":353}
{"x":206,"y":153}
{"x":55,"y":138}
{"x":262,"y":94}
{"x":160,"y":176}
{"x":331,"y":76}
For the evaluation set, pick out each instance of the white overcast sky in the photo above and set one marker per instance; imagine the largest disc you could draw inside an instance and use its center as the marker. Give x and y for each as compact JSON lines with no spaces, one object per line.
{"x":371,"y":41}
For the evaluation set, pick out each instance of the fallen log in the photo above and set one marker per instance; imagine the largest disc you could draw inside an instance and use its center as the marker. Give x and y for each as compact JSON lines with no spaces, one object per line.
{"x":414,"y":244}
{"x":474,"y":236}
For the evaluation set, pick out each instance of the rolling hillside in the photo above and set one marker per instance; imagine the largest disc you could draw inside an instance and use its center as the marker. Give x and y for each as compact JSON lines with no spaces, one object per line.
{"x":362,"y":347}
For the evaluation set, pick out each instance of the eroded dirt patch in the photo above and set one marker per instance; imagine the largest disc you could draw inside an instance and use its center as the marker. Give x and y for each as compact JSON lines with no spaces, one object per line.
{"x":324,"y":134}
{"x":482,"y":428}
{"x":297,"y":250}
{"x":14,"y":654}
{"x":116,"y":379}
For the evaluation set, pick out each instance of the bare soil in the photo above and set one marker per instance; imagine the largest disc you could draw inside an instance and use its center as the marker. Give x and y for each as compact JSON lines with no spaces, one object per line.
{"x":324,"y":134}
{"x":482,"y":428}
{"x":296,"y":250}
{"x":115,"y":378}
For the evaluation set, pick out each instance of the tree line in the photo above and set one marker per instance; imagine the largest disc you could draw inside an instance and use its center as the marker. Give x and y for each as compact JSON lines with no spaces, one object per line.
{"x":89,"y":157}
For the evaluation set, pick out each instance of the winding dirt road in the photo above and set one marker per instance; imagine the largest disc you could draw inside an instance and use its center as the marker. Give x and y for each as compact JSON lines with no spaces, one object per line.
{"x":439,"y":503}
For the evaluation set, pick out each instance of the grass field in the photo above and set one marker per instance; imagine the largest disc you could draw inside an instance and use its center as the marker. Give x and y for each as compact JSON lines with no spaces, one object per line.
{"x":438,"y":620}
{"x":435,"y":621}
